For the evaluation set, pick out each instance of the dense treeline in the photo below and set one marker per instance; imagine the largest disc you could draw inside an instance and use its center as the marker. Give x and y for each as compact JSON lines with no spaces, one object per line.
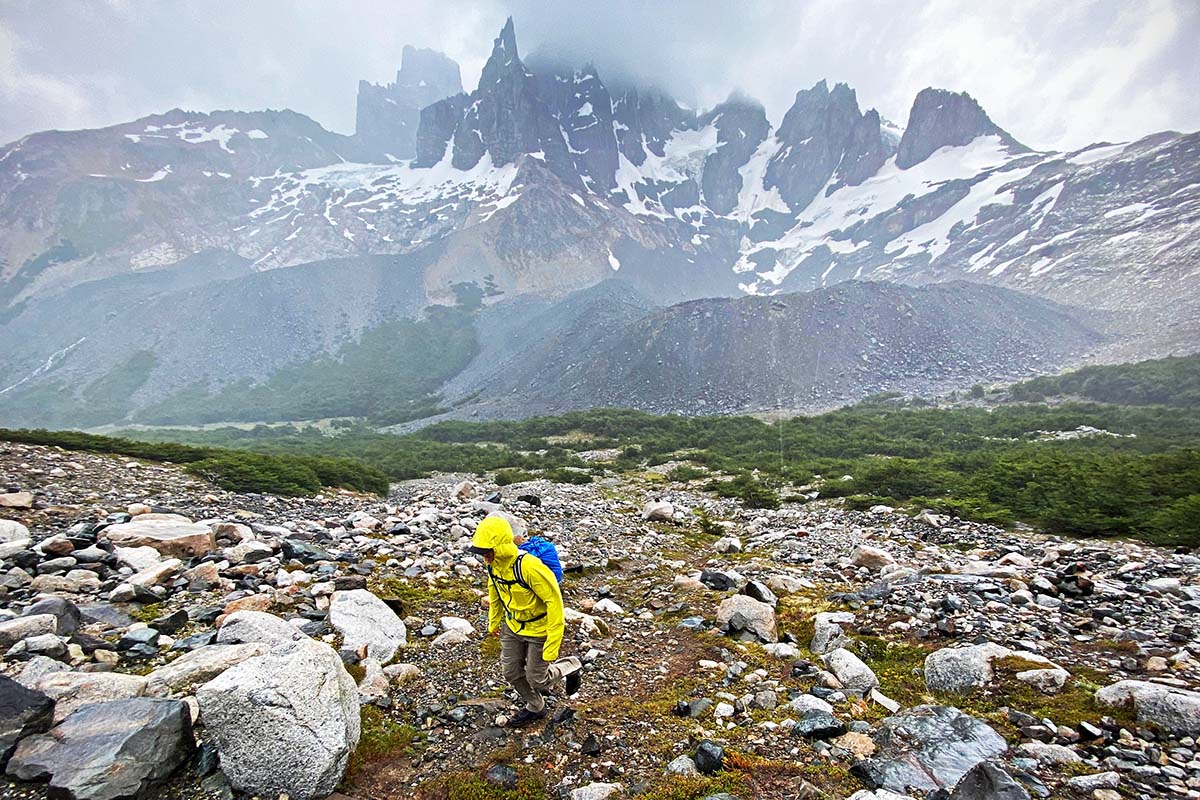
{"x":1139,"y":476}
{"x":1164,"y":381}
{"x":235,"y":470}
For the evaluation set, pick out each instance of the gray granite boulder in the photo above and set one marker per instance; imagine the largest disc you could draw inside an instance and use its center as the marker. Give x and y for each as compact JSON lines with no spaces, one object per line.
{"x":365,"y":621}
{"x":284,"y":722}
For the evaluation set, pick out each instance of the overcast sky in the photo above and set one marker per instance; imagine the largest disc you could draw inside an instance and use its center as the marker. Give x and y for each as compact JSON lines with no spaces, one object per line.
{"x":1055,"y":74}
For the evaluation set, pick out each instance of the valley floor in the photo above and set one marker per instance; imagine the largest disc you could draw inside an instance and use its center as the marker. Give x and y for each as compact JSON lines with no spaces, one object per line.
{"x":663,"y":673}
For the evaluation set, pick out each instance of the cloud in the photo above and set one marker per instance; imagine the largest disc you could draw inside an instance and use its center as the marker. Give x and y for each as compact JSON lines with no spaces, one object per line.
{"x":1055,"y":75}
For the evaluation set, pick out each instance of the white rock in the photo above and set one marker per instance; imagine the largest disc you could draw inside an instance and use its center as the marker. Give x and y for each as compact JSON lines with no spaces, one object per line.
{"x":871,"y":557}
{"x":366,"y":621}
{"x":1175,"y":710}
{"x":457,"y":624}
{"x":728,"y":544}
{"x":595,"y":791}
{"x":608,"y":606}
{"x":137,"y":558}
{"x":742,"y":613}
{"x":11,"y":530}
{"x":851,"y":672}
{"x":658,"y":510}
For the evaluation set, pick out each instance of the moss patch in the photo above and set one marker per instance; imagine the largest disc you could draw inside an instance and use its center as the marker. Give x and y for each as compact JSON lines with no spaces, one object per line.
{"x":473,"y":786}
{"x":382,"y":740}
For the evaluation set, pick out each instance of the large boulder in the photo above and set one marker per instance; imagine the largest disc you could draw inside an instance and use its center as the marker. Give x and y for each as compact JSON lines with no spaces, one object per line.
{"x":242,"y":627}
{"x":743,"y":616}
{"x":961,"y":669}
{"x":925,"y":748}
{"x":199,"y":666}
{"x":365,"y":621}
{"x":284,"y":722}
{"x":855,"y":676}
{"x":108,"y":750}
{"x":170,"y":534}
{"x":22,"y":712}
{"x":1174,"y":710}
{"x":74,"y":690}
{"x":658,"y":511}
{"x":13,"y":531}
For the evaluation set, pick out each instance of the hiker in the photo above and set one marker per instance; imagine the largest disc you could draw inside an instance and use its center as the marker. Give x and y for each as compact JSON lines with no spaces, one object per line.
{"x":526,"y":609}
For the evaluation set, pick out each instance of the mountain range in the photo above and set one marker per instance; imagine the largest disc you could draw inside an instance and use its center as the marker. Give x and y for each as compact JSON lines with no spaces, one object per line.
{"x":597,"y":237}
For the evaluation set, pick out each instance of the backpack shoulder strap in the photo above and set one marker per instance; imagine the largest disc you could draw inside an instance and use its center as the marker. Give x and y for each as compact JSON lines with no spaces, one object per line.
{"x":519,"y":574}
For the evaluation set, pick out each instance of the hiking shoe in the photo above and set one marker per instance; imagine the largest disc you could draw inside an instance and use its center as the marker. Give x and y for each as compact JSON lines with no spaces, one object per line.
{"x":524,"y":717}
{"x":573,"y":680}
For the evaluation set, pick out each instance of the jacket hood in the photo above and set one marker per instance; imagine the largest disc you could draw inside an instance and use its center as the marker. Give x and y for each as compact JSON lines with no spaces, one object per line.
{"x":495,"y":534}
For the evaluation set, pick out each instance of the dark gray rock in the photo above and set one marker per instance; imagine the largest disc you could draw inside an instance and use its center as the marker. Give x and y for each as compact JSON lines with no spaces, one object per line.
{"x":66,"y":612}
{"x":709,"y":757}
{"x":939,"y":118}
{"x":984,"y":781}
{"x":108,"y":750}
{"x":817,"y":724}
{"x":22,"y":712}
{"x":925,"y":748}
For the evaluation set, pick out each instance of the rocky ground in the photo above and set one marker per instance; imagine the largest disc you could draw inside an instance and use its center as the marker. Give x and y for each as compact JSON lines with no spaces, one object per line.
{"x":164,"y":637}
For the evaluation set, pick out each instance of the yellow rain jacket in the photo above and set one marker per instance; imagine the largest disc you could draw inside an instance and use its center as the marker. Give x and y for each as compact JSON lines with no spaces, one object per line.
{"x":535,"y":611}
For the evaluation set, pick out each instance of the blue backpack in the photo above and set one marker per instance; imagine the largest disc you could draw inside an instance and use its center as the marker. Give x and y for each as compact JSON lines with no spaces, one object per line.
{"x":546,"y":553}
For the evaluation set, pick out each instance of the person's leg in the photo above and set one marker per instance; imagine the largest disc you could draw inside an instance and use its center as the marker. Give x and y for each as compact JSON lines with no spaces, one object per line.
{"x":513,"y":656}
{"x":541,"y":674}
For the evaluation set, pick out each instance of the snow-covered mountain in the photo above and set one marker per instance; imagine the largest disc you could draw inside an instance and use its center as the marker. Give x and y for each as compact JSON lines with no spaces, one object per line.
{"x":546,"y":180}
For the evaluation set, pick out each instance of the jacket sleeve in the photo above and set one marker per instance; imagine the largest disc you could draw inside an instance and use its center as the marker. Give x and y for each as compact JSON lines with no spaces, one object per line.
{"x":545,"y":586}
{"x":495,"y":612}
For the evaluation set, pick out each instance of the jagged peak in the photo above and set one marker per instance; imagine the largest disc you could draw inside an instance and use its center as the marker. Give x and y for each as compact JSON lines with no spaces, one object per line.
{"x":504,"y":59}
{"x":940,"y":118}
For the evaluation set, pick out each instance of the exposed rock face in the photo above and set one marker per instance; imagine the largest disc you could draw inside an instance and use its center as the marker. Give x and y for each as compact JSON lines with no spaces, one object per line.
{"x":822,"y":132}
{"x":285,"y":722}
{"x":927,"y":747}
{"x":388,"y":116}
{"x":939,"y":119}
{"x":109,"y":750}
{"x":741,"y":127}
{"x":584,"y":110}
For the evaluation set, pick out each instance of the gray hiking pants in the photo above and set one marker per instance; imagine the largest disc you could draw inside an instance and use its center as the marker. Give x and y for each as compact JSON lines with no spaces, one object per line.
{"x":526,"y":670}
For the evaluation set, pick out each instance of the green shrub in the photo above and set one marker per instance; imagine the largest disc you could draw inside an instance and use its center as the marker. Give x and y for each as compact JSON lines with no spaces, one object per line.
{"x":564,"y":475}
{"x":684,"y":473}
{"x":745,"y":487}
{"x":505,"y":477}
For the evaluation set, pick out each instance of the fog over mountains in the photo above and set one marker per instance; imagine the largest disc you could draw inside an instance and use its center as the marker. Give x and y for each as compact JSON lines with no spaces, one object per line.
{"x":147,"y":268}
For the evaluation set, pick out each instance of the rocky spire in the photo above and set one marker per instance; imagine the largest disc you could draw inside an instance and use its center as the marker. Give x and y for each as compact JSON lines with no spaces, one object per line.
{"x":824,"y":133}
{"x":940,"y":118}
{"x":387,"y":117}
